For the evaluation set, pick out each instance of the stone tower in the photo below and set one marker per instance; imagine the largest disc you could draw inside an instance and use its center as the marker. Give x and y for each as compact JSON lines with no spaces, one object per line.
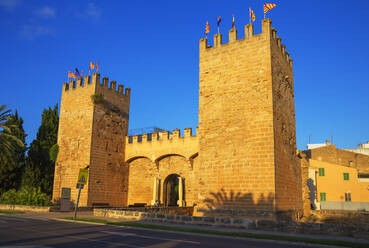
{"x":247,"y":137}
{"x":92,"y":129}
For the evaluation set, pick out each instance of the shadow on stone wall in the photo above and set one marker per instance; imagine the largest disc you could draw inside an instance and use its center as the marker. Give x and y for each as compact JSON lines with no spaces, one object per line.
{"x":237,"y":204}
{"x":312,"y":193}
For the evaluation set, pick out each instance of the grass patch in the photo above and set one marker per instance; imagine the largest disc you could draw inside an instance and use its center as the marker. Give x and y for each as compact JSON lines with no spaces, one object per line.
{"x":85,"y":219}
{"x":11,"y":212}
{"x":231,"y":234}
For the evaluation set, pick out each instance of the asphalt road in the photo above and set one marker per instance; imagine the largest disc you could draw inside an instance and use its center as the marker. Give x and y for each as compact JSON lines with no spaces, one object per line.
{"x":16,"y":231}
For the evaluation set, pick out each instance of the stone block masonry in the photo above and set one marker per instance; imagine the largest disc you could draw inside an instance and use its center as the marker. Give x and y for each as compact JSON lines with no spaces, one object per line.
{"x":247,"y":141}
{"x":242,"y":158}
{"x":93,"y":134}
{"x":348,"y":230}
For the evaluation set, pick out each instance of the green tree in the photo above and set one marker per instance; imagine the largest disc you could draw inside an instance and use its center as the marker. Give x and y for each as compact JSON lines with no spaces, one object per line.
{"x":39,"y":170}
{"x":12,"y":149}
{"x":12,"y":165}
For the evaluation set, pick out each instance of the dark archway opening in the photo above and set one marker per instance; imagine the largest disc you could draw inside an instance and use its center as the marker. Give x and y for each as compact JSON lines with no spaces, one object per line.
{"x":171,"y":189}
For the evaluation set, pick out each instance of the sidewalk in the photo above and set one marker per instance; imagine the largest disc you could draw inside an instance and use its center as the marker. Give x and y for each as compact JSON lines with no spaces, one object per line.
{"x":89,"y":214}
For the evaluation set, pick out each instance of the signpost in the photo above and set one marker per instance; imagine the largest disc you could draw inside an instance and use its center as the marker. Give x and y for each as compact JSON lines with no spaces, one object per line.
{"x":82,"y":180}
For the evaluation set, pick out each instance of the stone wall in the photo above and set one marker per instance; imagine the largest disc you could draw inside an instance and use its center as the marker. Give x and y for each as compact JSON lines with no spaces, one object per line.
{"x":143,"y":172}
{"x":141,"y":181}
{"x":156,"y":156}
{"x":24,"y":208}
{"x":108,"y":173}
{"x":308,"y":188}
{"x":236,"y":167}
{"x":287,"y":166}
{"x":74,"y":137}
{"x":351,"y":230}
{"x":180,"y":166}
{"x":93,"y":134}
{"x":333,"y":155}
{"x":157,"y":145}
{"x":247,"y":131}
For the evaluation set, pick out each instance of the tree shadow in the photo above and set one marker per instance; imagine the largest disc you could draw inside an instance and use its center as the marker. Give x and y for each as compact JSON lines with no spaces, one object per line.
{"x":237,"y":204}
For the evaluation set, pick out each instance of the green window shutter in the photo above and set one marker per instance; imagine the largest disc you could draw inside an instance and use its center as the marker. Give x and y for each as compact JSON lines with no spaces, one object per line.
{"x":321,"y":172}
{"x":323,"y":196}
{"x":347,"y":196}
{"x":346,"y":176}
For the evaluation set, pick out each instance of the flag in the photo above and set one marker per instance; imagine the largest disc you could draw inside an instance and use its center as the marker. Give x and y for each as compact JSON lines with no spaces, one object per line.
{"x":233,"y":23}
{"x":252,"y":15}
{"x":207,"y":28}
{"x":92,"y":65}
{"x":76,"y":72}
{"x":268,"y":6}
{"x":97,"y":66}
{"x":81,"y":75}
{"x":71,"y":75}
{"x":219,"y":19}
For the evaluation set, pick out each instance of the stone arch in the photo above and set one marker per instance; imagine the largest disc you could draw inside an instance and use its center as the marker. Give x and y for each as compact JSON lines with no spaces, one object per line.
{"x":179,"y":165}
{"x":135,"y":157}
{"x":168,"y":155}
{"x":192,"y":158}
{"x":140,"y":180}
{"x":171,"y":190}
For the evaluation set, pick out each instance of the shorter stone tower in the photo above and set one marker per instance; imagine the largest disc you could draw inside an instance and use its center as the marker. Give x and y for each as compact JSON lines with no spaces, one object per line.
{"x":92,"y":129}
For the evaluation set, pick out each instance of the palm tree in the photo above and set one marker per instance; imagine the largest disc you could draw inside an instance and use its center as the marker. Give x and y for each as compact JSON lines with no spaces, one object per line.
{"x":8,"y":142}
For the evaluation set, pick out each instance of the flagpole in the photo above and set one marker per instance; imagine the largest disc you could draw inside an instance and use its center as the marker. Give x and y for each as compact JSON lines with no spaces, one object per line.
{"x":249,"y":15}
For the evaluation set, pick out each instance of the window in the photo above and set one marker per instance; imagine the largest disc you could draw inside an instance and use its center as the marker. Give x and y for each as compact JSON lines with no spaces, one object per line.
{"x":348,"y":197}
{"x":346,"y":176}
{"x":321,"y":172}
{"x":323,"y":196}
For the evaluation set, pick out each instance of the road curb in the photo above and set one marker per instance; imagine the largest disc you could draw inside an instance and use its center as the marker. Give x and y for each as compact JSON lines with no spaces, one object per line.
{"x":216,"y":235}
{"x":79,"y":221}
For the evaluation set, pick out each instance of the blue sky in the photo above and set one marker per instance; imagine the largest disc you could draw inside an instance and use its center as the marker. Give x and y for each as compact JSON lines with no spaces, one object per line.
{"x":152,"y":47}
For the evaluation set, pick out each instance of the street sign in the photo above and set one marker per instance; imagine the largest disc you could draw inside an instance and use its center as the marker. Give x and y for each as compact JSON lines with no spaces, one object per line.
{"x":79,"y":186}
{"x":82,"y":180}
{"x":82,"y":176}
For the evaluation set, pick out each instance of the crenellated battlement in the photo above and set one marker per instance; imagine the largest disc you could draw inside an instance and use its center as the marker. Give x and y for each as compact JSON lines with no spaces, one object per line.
{"x":159,"y":144}
{"x":278,"y":40}
{"x":86,"y":82}
{"x":160,"y":136}
{"x":267,"y":32}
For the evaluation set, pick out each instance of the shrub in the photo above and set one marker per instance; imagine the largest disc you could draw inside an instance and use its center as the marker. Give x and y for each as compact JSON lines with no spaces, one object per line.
{"x":26,"y":196}
{"x":53,"y":152}
{"x":97,"y":99}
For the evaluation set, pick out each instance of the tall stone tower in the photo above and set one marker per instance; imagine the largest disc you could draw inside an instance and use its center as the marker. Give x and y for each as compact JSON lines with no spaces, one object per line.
{"x":92,"y":129}
{"x":247,"y":137}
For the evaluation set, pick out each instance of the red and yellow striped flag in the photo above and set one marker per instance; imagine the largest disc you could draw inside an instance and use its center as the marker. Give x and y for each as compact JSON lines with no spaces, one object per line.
{"x":97,"y":66}
{"x":207,"y":28}
{"x":92,"y":65}
{"x":71,"y":75}
{"x":268,"y":6}
{"x":252,"y":15}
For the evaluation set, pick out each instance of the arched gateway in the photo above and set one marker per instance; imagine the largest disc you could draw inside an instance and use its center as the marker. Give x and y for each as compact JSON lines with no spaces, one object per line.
{"x":171,"y":190}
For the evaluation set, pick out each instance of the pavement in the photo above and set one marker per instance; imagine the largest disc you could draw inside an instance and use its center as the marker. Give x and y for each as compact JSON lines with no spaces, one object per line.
{"x":46,"y":229}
